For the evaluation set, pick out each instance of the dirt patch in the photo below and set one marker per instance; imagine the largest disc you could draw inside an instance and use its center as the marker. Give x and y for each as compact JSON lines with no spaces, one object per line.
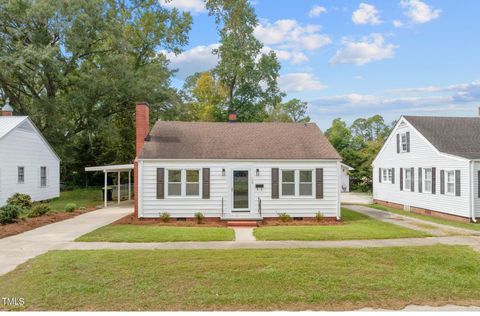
{"x":25,"y":224}
{"x":189,"y":222}
{"x":304,"y":222}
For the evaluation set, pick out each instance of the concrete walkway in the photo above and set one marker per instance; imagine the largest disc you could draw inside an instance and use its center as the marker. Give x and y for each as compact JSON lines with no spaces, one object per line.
{"x":244,"y":234}
{"x":356,"y":198}
{"x":474,"y":242}
{"x":432,"y":228}
{"x":19,"y":248}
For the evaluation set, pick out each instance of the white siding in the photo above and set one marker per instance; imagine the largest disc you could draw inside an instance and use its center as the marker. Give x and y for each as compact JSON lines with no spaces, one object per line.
{"x":345,"y":180}
{"x":24,"y":147}
{"x":220,"y":188}
{"x":476,"y":198}
{"x":421,"y":154}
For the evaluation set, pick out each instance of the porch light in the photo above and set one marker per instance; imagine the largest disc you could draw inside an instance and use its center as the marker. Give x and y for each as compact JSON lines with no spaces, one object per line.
{"x":223,"y":172}
{"x":258,"y":172}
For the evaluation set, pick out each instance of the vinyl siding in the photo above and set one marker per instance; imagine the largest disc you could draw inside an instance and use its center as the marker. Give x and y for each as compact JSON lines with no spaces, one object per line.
{"x":421,"y":155}
{"x":476,"y":199}
{"x":220,"y":187}
{"x":26,"y":148}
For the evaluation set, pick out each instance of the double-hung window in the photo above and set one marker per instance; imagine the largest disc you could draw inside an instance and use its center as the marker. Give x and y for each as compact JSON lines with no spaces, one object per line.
{"x":387,"y":175}
{"x":43,"y":177}
{"x":183,"y":182}
{"x":21,"y":175}
{"x":450,"y":182}
{"x":427,"y":180}
{"x":288,"y":182}
{"x":403,"y":142}
{"x":297,"y":183}
{"x":306,"y":183}
{"x":407,"y":179}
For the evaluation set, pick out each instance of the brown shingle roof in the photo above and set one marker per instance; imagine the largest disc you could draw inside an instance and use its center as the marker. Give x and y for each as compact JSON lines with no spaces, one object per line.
{"x":202,"y":140}
{"x":459,"y":136}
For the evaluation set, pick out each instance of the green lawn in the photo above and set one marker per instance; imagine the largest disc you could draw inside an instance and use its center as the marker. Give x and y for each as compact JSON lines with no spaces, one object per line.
{"x":356,"y":226}
{"x":285,"y":279}
{"x":148,"y":233}
{"x":88,"y":197}
{"x":474,"y":226}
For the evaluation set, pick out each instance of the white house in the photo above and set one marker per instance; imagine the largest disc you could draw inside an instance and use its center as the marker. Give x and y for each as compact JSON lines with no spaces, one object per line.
{"x":27,"y":162}
{"x":431,"y":165}
{"x":234,"y":170}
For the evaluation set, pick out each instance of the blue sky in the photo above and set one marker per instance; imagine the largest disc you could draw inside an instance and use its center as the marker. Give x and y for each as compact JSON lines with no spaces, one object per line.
{"x":353,"y":59}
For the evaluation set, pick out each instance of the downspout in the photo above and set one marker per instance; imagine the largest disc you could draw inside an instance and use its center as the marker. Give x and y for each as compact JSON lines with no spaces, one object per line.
{"x":472,"y":193}
{"x":339,"y":184}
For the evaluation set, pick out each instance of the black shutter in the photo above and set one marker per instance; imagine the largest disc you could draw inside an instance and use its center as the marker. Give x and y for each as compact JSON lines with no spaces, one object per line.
{"x":398,"y":143}
{"x":434,"y":180}
{"x":401,"y":179}
{"x":393,"y":175}
{"x":420,"y":180}
{"x":274,"y":183}
{"x":408,"y":142}
{"x":319,"y":183}
{"x":442,"y":182}
{"x":457,"y":183}
{"x":160,"y":183}
{"x":206,"y":183}
{"x":412,"y":177}
{"x":380,"y":175}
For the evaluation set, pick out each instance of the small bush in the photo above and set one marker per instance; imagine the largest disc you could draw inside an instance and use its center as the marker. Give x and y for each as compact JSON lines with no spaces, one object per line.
{"x":70,"y":207}
{"x":23,"y":201}
{"x":319,"y":217}
{"x":83,"y":208}
{"x":165,"y":217}
{"x":9,"y":214}
{"x":39,"y":209}
{"x":284,"y":217}
{"x":199,"y":217}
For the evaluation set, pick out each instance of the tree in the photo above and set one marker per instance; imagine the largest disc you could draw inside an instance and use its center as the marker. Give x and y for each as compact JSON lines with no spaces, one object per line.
{"x":77,"y":67}
{"x":249,"y":75}
{"x":293,"y":110}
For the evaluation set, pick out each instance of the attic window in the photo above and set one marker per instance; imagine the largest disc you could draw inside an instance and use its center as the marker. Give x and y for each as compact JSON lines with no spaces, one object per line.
{"x":403,"y":143}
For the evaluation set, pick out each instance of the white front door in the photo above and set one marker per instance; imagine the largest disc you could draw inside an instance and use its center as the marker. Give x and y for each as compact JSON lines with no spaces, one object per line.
{"x":240,"y":190}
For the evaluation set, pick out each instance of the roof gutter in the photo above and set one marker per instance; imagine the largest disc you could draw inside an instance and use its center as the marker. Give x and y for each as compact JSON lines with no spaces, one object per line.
{"x":472,"y":192}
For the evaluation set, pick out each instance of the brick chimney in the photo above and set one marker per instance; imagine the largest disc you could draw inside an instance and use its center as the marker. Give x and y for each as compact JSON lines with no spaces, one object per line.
{"x":7,"y":109}
{"x":142,"y":117}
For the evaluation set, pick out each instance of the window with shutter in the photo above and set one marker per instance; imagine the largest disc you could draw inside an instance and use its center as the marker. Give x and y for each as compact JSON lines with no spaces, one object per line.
{"x":160,"y":183}
{"x":275,"y":190}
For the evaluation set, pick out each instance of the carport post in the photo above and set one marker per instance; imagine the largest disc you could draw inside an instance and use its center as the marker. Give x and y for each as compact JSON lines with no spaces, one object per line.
{"x":129,"y":185}
{"x":105,"y":188}
{"x":118,"y":187}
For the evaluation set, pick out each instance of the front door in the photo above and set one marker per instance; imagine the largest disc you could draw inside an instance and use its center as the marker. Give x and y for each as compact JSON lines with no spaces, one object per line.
{"x":240,"y":190}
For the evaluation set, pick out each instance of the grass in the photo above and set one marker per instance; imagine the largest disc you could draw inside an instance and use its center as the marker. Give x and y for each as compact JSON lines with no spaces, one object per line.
{"x":275,"y":279}
{"x":87,"y":197}
{"x":139,"y":233}
{"x":473,"y":226}
{"x":356,"y":226}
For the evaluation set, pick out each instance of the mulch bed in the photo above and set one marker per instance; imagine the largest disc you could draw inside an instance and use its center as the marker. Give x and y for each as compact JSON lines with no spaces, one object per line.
{"x":25,"y":224}
{"x":305,"y":222}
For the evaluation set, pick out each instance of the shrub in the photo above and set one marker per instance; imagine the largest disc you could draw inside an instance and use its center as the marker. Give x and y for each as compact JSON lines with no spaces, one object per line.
{"x":82,"y":208}
{"x":70,"y":207}
{"x":9,"y":214}
{"x":199,"y":217}
{"x":23,"y":201}
{"x":319,"y":217}
{"x":39,"y":209}
{"x":284,"y":217}
{"x":165,"y":217}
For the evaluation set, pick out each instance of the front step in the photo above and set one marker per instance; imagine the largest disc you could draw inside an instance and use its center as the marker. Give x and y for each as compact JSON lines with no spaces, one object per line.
{"x":242,"y":223}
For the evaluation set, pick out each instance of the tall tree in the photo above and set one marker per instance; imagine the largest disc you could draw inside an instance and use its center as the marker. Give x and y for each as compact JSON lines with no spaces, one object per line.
{"x":293,"y":110}
{"x":249,"y":75}
{"x":76,"y":68}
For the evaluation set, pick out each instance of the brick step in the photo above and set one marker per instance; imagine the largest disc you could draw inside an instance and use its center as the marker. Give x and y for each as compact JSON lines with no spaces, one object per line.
{"x":242,"y":223}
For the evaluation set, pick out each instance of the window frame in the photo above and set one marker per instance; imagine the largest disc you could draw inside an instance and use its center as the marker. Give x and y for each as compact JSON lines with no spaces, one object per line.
{"x":424,"y":180}
{"x":446,"y":182}
{"x":300,"y":183}
{"x":403,"y":136}
{"x":387,"y":175}
{"x":22,"y":181}
{"x":183,"y":183}
{"x":296,"y":183}
{"x":405,"y":186}
{"x":198,"y":183}
{"x":42,"y":184}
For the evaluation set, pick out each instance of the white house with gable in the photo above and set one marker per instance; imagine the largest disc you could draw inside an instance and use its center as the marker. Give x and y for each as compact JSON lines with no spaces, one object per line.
{"x":27,"y":162}
{"x":431,"y":165}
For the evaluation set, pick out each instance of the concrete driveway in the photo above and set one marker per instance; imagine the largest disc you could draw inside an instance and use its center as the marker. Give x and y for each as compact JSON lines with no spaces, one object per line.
{"x":356,"y":198}
{"x":19,"y":248}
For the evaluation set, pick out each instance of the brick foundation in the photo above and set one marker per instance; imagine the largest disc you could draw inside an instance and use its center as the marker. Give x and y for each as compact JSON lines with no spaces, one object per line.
{"x":419,"y":210}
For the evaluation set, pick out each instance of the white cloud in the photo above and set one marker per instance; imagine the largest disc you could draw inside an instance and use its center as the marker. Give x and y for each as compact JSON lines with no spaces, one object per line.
{"x":397,"y":23}
{"x":419,"y":12}
{"x":299,"y":81}
{"x":366,"y":14}
{"x":316,"y":10}
{"x":366,"y":50}
{"x":295,"y":57}
{"x":194,"y":6}
{"x":199,"y":58}
{"x":289,"y":34}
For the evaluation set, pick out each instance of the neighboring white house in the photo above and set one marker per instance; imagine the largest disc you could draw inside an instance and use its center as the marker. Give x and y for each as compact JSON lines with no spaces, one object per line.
{"x":27,"y":162}
{"x":234,"y":170}
{"x":431,"y":165}
{"x":345,"y":183}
